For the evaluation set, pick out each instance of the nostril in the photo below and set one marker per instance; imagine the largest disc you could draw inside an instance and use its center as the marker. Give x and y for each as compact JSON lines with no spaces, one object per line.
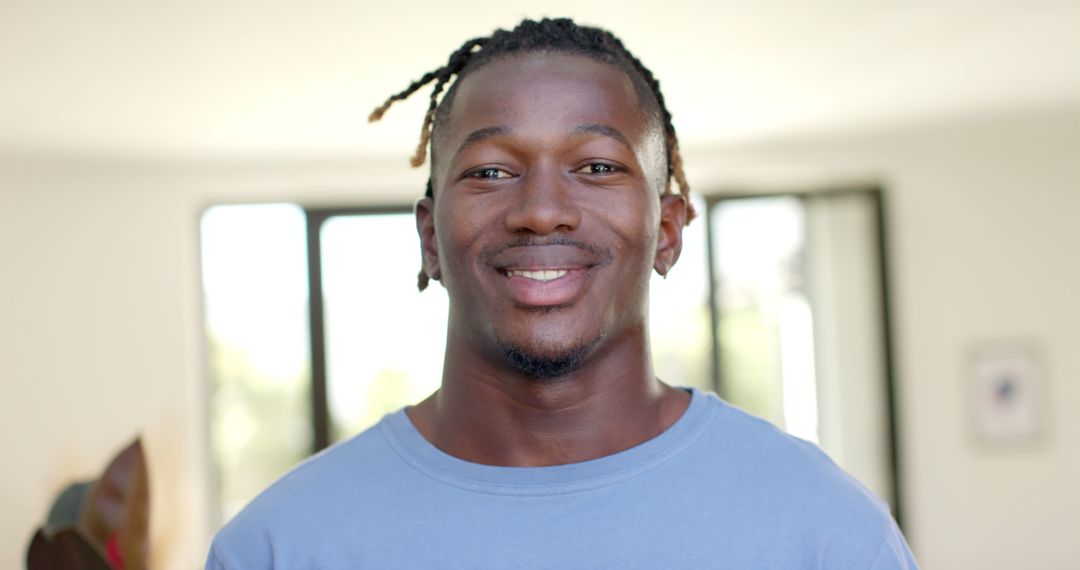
{"x":542,"y":210}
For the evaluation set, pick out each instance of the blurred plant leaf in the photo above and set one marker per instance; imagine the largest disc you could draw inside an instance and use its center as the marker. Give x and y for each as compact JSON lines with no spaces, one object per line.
{"x":118,"y":504}
{"x":68,"y":549}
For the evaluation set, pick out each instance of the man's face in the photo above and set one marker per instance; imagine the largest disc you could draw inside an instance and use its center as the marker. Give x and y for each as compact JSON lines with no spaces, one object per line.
{"x":548,"y":217}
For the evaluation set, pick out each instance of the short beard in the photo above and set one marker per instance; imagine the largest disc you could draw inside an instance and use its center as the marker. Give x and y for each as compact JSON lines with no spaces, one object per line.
{"x":547,"y":366}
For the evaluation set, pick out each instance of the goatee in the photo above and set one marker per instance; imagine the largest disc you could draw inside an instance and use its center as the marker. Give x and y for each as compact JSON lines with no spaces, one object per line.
{"x":545,"y":365}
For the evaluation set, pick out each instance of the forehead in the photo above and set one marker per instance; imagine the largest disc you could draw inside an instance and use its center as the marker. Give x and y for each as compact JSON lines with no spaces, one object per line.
{"x":548,"y":88}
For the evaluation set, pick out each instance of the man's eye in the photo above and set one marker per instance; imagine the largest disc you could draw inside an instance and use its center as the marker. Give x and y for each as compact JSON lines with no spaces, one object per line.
{"x":488,"y":173}
{"x":599,"y":168}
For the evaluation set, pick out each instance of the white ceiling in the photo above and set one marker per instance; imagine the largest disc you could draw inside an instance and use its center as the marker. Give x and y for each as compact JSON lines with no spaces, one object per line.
{"x":202,"y":78}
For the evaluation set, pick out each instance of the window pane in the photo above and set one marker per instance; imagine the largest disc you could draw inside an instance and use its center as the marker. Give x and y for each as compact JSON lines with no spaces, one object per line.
{"x":384,"y":339}
{"x":765,"y":333}
{"x":845,"y":249}
{"x":679,"y":314}
{"x":256,"y":294}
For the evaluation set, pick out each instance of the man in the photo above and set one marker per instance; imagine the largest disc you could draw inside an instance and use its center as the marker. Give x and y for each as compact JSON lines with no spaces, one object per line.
{"x":551,"y":444}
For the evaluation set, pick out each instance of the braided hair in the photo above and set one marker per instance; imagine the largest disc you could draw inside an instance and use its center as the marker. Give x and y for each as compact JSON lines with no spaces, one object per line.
{"x":546,"y":35}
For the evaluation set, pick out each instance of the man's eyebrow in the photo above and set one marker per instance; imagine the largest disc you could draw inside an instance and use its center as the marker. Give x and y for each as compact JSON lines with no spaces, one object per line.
{"x":485,"y":133}
{"x":602,"y":130}
{"x":479,"y":135}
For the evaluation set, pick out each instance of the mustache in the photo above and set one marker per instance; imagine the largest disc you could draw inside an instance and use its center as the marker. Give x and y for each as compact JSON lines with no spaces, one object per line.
{"x":604,"y":255}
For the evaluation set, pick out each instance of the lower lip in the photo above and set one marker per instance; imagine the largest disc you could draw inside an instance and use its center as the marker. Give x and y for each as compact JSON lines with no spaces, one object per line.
{"x":533,"y":293}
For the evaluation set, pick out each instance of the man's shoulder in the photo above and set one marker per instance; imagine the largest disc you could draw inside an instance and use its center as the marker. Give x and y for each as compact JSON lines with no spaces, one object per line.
{"x":789,"y":471}
{"x":297,"y":505}
{"x":783,"y":486}
{"x":333,"y":469}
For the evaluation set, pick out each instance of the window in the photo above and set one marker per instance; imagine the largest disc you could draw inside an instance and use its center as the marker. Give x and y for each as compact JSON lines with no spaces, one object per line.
{"x":384,"y":339}
{"x":764,"y":324}
{"x":256,"y":303}
{"x":801,"y":322}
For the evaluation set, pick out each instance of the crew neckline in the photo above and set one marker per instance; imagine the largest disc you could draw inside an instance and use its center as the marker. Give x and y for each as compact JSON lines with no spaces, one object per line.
{"x":418,"y":452}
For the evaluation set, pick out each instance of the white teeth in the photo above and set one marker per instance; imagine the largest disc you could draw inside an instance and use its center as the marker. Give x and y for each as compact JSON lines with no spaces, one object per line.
{"x":543,"y":275}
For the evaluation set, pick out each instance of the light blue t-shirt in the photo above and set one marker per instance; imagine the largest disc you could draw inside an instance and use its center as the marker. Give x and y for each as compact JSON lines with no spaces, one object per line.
{"x":719,"y":489}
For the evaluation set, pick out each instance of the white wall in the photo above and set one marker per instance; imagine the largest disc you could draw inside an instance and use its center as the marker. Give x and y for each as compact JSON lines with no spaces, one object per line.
{"x":100,"y":318}
{"x":101,"y":326}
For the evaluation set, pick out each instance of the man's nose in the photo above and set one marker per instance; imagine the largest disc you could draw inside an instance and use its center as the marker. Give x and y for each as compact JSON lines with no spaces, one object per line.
{"x":544,"y":203}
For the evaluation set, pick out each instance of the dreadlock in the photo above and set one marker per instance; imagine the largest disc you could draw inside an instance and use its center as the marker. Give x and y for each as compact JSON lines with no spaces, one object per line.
{"x":554,"y":35}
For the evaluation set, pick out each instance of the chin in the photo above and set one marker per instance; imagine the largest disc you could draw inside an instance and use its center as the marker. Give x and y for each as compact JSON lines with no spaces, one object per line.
{"x":544,"y":361}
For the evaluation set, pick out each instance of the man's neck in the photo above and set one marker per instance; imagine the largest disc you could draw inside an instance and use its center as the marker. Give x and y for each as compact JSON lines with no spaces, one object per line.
{"x":489,"y":413}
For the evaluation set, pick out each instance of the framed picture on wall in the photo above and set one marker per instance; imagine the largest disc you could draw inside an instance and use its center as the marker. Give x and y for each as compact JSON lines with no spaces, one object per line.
{"x":1007,"y":392}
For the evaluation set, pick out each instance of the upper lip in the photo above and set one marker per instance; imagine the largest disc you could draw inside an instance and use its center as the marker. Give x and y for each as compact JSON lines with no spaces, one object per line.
{"x":545,"y":257}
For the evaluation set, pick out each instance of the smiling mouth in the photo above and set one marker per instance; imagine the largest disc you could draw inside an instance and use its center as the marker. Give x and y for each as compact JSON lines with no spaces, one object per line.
{"x":546,"y":275}
{"x":546,"y":288}
{"x":542,"y":275}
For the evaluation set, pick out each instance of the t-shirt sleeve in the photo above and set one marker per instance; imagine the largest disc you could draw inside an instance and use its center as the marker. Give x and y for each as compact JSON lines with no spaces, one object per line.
{"x":871,"y":544}
{"x":213,"y":562}
{"x":240,"y":546}
{"x":893,"y":553}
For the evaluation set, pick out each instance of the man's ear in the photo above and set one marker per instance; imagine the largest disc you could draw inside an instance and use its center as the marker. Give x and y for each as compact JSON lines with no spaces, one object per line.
{"x":424,"y":209}
{"x":673,"y":212}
